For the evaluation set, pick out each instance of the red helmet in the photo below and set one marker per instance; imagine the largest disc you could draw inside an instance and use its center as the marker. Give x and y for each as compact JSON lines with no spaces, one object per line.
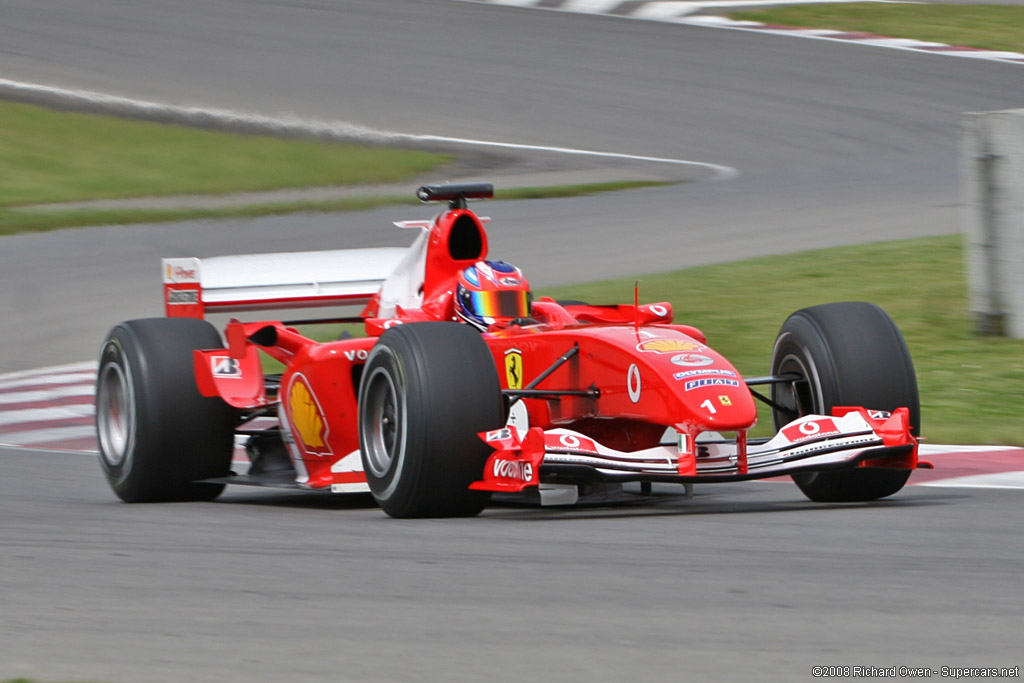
{"x":490,"y":292}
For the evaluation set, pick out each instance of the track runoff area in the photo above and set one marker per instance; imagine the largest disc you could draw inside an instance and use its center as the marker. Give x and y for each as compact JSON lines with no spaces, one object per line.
{"x":52,"y":409}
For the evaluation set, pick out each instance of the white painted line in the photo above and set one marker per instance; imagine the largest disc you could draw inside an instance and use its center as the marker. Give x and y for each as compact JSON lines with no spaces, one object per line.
{"x":664,"y":10}
{"x":720,"y":172}
{"x":1003,"y":480}
{"x":937,"y":449}
{"x":980,"y":54}
{"x":811,"y":32}
{"x":703,"y":4}
{"x":74,"y":390}
{"x":30,"y":415}
{"x":84,"y":366}
{"x":714,"y":4}
{"x":36,"y":380}
{"x":339,"y":130}
{"x":720,"y":22}
{"x":590,"y":6}
{"x":47,"y":436}
{"x":899,"y":42}
{"x":69,"y":367}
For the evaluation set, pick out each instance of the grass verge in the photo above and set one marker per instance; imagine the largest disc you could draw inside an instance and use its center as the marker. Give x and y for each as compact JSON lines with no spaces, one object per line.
{"x":54,"y":156}
{"x":57,"y":156}
{"x":992,"y":27}
{"x":972,"y":388}
{"x":13,"y":221}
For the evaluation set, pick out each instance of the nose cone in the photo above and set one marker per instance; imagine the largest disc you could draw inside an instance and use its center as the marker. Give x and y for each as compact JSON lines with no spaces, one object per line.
{"x":708,"y":391}
{"x":717,"y":402}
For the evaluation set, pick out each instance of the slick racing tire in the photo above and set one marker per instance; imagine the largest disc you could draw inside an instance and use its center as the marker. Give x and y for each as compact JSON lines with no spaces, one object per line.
{"x":844,"y":354}
{"x":426,"y":392}
{"x":157,"y":434}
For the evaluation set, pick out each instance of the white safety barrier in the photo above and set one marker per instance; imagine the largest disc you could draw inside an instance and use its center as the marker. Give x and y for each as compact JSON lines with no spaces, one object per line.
{"x":992,"y":160}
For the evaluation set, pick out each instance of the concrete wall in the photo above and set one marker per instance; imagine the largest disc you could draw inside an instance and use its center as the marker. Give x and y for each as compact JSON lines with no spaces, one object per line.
{"x":992,"y":161}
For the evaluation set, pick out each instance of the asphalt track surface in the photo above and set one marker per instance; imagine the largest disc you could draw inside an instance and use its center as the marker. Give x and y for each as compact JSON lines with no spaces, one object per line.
{"x":835,"y":145}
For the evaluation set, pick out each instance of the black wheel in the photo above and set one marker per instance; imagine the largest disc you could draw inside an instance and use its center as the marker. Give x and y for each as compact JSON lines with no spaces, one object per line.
{"x":844,"y":354}
{"x":427,"y":390}
{"x":157,"y":434}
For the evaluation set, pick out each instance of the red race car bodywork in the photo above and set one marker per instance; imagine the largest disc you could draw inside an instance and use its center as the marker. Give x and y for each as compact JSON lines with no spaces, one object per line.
{"x":433,"y":417}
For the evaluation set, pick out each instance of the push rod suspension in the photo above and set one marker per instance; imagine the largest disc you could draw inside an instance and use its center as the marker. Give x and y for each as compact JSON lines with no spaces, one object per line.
{"x":562,"y":360}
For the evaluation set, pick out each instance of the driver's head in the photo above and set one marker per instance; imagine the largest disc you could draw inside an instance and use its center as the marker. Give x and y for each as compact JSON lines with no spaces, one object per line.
{"x":490,"y":292}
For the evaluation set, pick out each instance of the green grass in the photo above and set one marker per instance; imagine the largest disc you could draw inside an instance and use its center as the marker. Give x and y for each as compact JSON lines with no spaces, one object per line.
{"x":55,"y":156}
{"x":14,"y":221}
{"x":50,"y":156}
{"x":972,"y":388}
{"x":992,"y":27}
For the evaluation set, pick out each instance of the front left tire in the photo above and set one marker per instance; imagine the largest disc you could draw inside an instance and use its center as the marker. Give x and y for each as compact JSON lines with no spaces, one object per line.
{"x":426,"y":392}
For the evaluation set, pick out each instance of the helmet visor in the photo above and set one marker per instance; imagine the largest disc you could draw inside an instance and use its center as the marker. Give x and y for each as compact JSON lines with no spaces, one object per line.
{"x":506,"y":304}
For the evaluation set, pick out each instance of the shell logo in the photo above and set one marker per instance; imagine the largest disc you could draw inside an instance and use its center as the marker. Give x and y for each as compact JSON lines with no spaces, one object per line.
{"x":668,"y":346}
{"x":308,"y":418}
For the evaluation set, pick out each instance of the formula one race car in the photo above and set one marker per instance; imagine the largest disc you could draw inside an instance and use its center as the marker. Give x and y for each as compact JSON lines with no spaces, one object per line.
{"x":465,"y":386}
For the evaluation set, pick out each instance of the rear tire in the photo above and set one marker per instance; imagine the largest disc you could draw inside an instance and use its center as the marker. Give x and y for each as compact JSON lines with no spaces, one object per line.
{"x":844,"y":354}
{"x":157,"y":434}
{"x":427,"y":390}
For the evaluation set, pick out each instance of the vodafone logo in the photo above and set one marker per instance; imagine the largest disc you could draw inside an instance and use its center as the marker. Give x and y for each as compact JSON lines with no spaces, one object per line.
{"x":358,"y":354}
{"x":570,"y":442}
{"x":512,"y":469}
{"x":633,"y":384}
{"x":811,"y":429}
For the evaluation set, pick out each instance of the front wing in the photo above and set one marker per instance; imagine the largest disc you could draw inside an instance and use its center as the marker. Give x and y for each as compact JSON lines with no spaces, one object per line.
{"x":852,"y":437}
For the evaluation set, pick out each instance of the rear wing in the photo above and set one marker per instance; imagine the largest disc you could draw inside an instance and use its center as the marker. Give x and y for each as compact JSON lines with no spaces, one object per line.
{"x":345,"y":277}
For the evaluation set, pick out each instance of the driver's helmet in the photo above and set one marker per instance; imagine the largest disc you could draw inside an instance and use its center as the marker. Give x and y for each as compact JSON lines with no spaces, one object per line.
{"x":490,"y":292}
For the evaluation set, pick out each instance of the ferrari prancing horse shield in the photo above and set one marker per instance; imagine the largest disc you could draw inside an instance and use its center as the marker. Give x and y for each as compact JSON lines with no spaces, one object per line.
{"x":514,"y":368}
